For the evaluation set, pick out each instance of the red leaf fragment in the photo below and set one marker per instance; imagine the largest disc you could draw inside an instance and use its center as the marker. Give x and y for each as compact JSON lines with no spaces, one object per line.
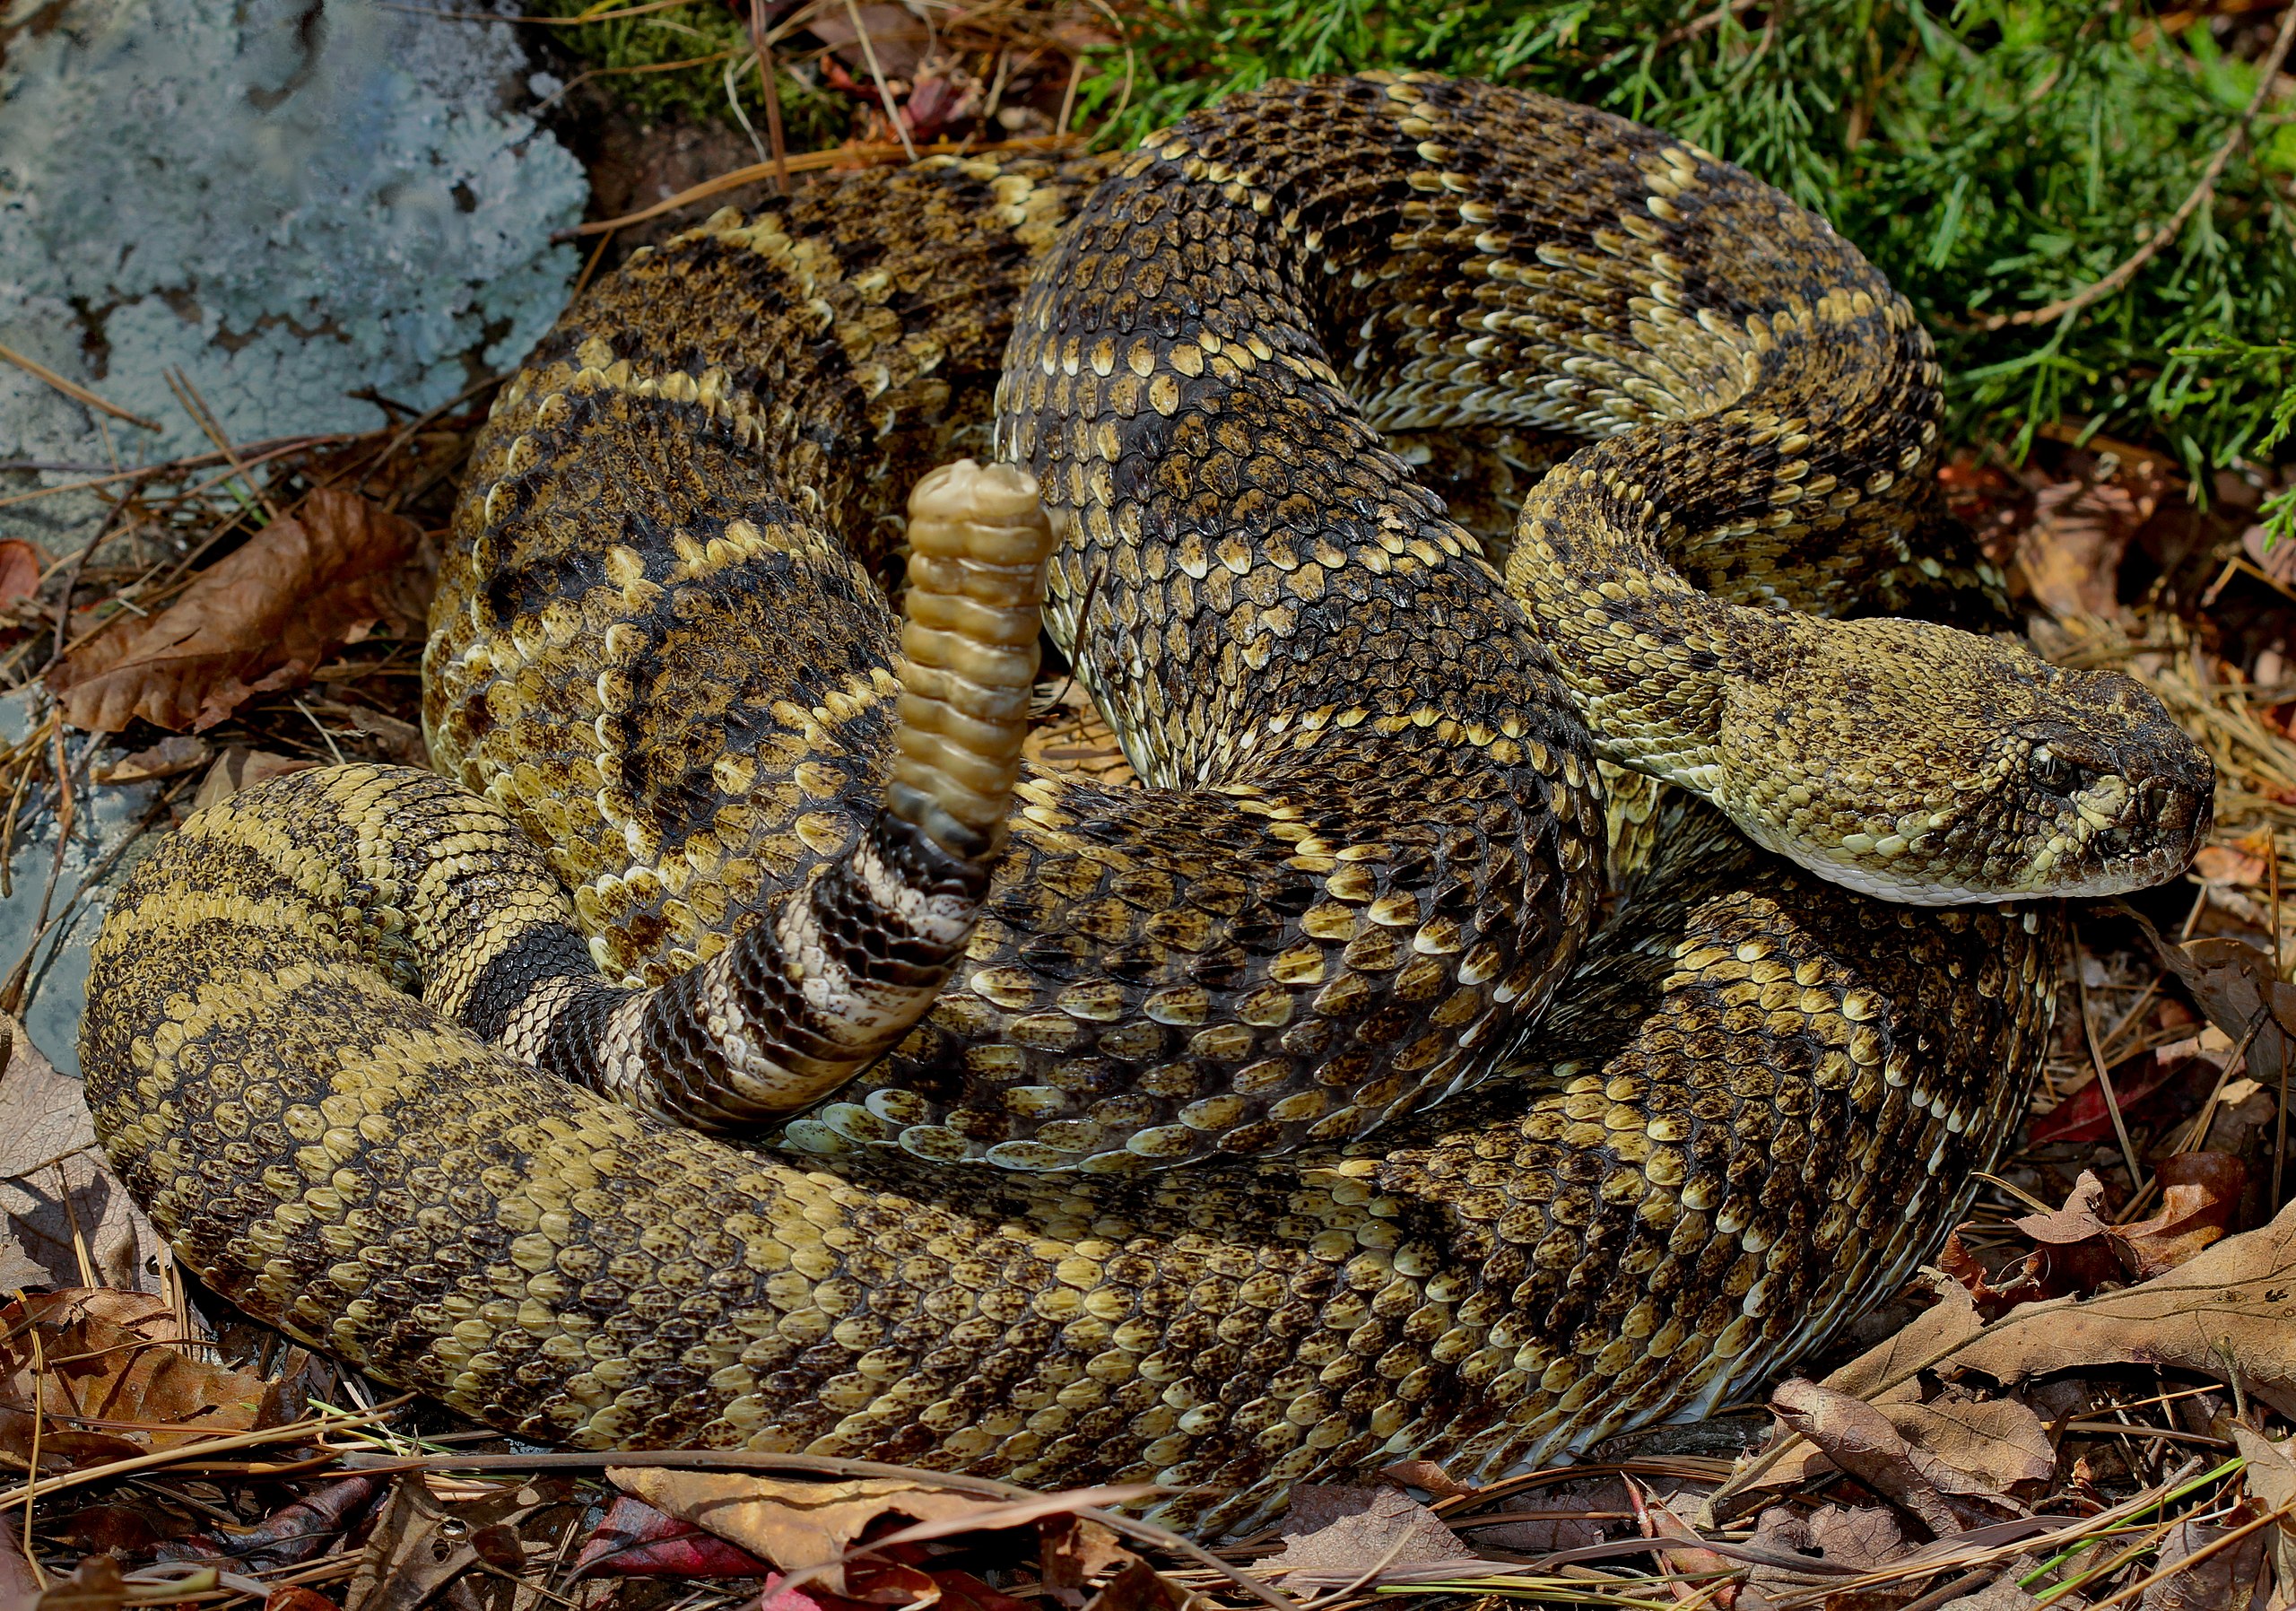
{"x":19,"y":568}
{"x":2083,"y":1116}
{"x":635,"y":1540}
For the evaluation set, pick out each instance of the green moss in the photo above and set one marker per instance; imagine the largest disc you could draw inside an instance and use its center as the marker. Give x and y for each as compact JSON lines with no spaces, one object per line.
{"x":634,"y":58}
{"x":1991,"y":157}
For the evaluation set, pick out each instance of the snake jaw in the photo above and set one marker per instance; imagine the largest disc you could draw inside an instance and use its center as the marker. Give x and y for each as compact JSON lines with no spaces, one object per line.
{"x":2133,"y":805}
{"x":2034,"y":781}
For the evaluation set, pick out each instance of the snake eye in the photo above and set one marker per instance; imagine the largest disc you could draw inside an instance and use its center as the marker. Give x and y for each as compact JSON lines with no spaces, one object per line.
{"x":2052,"y":772}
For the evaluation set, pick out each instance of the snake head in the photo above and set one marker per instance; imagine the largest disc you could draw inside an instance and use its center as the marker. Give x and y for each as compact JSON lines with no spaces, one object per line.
{"x":1928,"y":766}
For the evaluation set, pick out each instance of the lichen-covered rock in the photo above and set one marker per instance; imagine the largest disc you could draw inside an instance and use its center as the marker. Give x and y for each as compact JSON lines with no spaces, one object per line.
{"x":289,"y":201}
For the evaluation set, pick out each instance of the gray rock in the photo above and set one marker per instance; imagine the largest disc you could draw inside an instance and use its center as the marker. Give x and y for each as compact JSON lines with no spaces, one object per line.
{"x":287,"y":201}
{"x":108,"y":836}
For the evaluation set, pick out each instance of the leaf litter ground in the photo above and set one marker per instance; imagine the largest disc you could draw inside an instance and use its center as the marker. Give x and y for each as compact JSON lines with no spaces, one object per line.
{"x":2082,"y":1403}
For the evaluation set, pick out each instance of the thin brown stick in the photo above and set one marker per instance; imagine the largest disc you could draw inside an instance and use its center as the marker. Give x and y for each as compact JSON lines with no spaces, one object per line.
{"x":187,"y":1452}
{"x":2104,"y":1075}
{"x":1688,"y":31}
{"x":761,"y":49}
{"x":589,"y":269}
{"x":204,"y":417}
{"x":2122,"y":1596}
{"x":31,"y":1478}
{"x":2067,"y":306}
{"x":2224,"y":1076}
{"x":885,"y":93}
{"x":74,"y":390}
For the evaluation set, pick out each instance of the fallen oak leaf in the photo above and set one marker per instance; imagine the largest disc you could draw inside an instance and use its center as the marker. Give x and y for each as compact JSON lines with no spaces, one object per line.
{"x":2071,"y":553}
{"x":1139,"y":1587}
{"x":2224,"y":864}
{"x":809,"y":1529}
{"x":1980,"y":1448}
{"x":240,"y":768}
{"x":2077,"y":1222}
{"x":2200,"y":1194}
{"x":1884,"y":1373}
{"x":415,"y":1550}
{"x":1427,"y":1475}
{"x":2234,"y":1303}
{"x":1860,"y":1440}
{"x":2071,"y":1252}
{"x":176,"y":754}
{"x":291,"y":1535}
{"x":262,"y":617}
{"x":1344,"y":1531}
{"x":1837,"y":1541}
{"x":94,"y":1585}
{"x":1681,"y":1554}
{"x":59,"y":1195}
{"x":2239,"y":988}
{"x":95,"y":1355}
{"x":2216,"y":1580}
{"x":19,"y":1587}
{"x":294,"y":1597}
{"x":1074,"y":1552}
{"x":2270,"y":1481}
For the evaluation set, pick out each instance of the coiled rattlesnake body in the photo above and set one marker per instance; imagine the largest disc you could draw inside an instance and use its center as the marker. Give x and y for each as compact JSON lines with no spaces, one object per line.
{"x":340,"y":1026}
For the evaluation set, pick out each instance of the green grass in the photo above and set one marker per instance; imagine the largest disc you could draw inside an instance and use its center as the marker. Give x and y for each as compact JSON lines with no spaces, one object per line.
{"x":628,"y":55}
{"x":1991,"y":156}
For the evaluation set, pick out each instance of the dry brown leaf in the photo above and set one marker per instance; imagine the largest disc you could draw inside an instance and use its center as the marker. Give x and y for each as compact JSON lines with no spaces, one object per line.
{"x":2222,"y":864}
{"x":415,"y":1550}
{"x":1425,"y":1475}
{"x":19,"y":568}
{"x":2200,"y":1194}
{"x":239,"y":767}
{"x":2238,"y":987}
{"x":2271,"y":1479}
{"x":1338,"y":1532}
{"x":115,"y":1357}
{"x":2002,"y":1594}
{"x":1139,"y":1587}
{"x":18,"y":1587}
{"x":1950,"y":1320}
{"x":2071,"y":553}
{"x":2225,"y":1581}
{"x":1529,"y":1531}
{"x":57,"y":1194}
{"x":1682,"y":1552}
{"x":1981,"y":1446}
{"x":177,"y":753}
{"x":1074,"y":1550}
{"x":94,"y":1585}
{"x":263,"y":617}
{"x":2233,"y":1305}
{"x":1859,"y":1437}
{"x":2276,"y":560}
{"x":795,"y":1525}
{"x":1835,"y":1536}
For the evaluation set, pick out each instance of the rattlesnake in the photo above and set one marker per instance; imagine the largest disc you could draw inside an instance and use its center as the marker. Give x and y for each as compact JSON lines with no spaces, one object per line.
{"x":340,"y":1026}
